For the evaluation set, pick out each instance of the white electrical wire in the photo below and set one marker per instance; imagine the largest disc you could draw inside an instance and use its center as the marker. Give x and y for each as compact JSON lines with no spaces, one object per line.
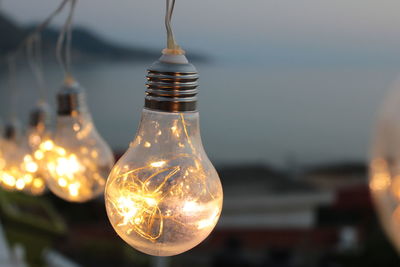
{"x":33,"y":46}
{"x":34,"y":55}
{"x":12,"y":84}
{"x":37,"y":30}
{"x":63,"y":49}
{"x":172,"y":47}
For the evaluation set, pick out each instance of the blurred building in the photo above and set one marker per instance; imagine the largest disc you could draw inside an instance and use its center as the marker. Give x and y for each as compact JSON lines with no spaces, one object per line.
{"x":268,"y":212}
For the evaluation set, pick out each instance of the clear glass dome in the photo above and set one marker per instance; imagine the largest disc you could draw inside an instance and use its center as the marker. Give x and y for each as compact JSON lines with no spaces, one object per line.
{"x":18,"y":169}
{"x":77,"y":161}
{"x":384,"y":180}
{"x":164,"y":196}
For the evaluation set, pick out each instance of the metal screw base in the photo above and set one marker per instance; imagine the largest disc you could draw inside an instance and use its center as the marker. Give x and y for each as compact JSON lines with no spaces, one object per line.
{"x":70,"y":100}
{"x":171,"y":87}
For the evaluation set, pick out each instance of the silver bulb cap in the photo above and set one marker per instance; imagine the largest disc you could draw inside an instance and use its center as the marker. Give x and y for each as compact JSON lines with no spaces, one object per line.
{"x":171,"y":87}
{"x":12,"y":130}
{"x":40,"y":116}
{"x":70,"y":100}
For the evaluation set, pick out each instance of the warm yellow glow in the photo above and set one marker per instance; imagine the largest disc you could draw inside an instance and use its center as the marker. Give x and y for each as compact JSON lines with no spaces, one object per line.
{"x":47,"y":145}
{"x":127,"y":208}
{"x":380,"y":177}
{"x":379,"y":181}
{"x":8,"y":179}
{"x":2,"y":162}
{"x":74,"y":189}
{"x":38,"y":183}
{"x":39,"y":155}
{"x":22,"y":175}
{"x":20,"y":184}
{"x":28,"y":178}
{"x":35,"y":139}
{"x":150,"y":201}
{"x":210,"y":221}
{"x":62,"y":182}
{"x":167,"y":199}
{"x":191,"y":206}
{"x":30,"y":165}
{"x":141,"y":209}
{"x":31,"y":185}
{"x":72,"y":176}
{"x":76,"y":127}
{"x":67,"y":166}
{"x":395,"y":186}
{"x":147,"y":144}
{"x":20,"y":166}
{"x":157,"y":164}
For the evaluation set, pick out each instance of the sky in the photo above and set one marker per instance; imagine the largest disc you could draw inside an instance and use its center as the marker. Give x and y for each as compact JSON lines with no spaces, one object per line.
{"x":253,"y":31}
{"x":307,"y":75}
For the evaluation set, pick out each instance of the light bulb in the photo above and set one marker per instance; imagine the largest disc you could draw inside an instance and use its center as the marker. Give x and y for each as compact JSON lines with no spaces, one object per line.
{"x":18,"y":171}
{"x":37,"y":133}
{"x":10,"y":165}
{"x":77,"y":160}
{"x":384,"y":180}
{"x":164,"y":196}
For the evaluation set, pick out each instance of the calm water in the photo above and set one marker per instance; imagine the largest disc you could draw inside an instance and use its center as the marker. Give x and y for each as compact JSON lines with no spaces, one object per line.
{"x":248,"y":113}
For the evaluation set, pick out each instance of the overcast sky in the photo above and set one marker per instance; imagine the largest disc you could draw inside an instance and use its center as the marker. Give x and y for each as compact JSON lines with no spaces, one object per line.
{"x":317,"y":68}
{"x":308,"y":28}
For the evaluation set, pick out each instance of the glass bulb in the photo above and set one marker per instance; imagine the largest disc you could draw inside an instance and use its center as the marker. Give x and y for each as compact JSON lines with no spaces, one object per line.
{"x":384,"y":180}
{"x":164,"y":196}
{"x":77,"y":160}
{"x":37,"y":133}
{"x":18,"y":170}
{"x":12,"y":173}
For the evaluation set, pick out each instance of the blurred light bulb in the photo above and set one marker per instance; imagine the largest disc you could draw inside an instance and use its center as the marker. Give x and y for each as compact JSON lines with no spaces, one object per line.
{"x":18,"y":170}
{"x":384,"y":180}
{"x":77,"y":160}
{"x":37,"y":133}
{"x":164,"y":196}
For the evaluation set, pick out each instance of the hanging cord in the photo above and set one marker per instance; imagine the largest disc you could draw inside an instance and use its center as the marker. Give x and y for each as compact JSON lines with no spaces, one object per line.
{"x":34,"y":54}
{"x":63,"y":49}
{"x":172,"y":47}
{"x":12,"y":84}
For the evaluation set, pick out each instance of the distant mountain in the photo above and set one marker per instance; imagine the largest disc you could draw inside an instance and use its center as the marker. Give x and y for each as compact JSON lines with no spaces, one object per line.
{"x":10,"y":34}
{"x":85,"y":45}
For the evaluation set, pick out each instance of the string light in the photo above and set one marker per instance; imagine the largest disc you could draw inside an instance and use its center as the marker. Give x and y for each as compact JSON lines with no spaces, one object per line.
{"x":19,"y":168}
{"x":39,"y":122}
{"x":22,"y":170}
{"x":164,"y":197}
{"x":77,"y":160}
{"x":12,"y":175}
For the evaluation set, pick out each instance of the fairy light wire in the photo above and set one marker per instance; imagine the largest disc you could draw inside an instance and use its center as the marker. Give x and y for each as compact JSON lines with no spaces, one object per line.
{"x":13,"y":87}
{"x":34,"y":55}
{"x":37,"y":30}
{"x":11,"y":58}
{"x":63,"y":49}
